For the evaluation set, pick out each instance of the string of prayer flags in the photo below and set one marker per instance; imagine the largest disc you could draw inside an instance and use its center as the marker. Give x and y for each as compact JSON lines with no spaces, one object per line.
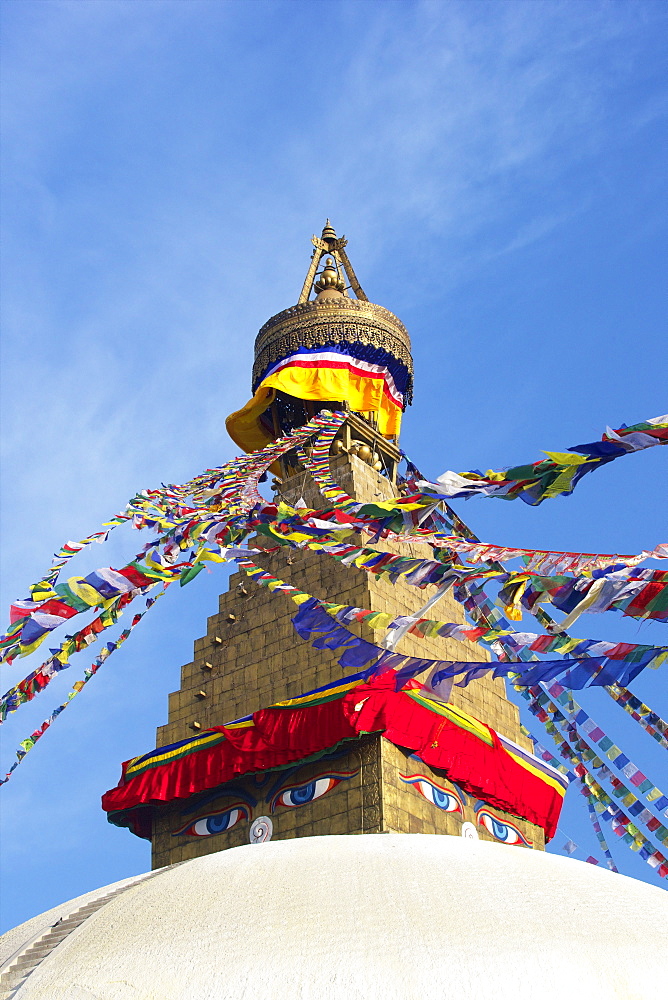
{"x":623,"y":827}
{"x":479,"y":608}
{"x":464,"y":542}
{"x":577,"y":715}
{"x":600,"y":836}
{"x":629,"y":653}
{"x":557,"y":475}
{"x":577,"y":674}
{"x":317,"y":463}
{"x":71,"y":598}
{"x":548,"y":757}
{"x":235,"y":483}
{"x":418,"y":572}
{"x":540,"y":561}
{"x":578,"y":750}
{"x":38,"y":679}
{"x":26,"y":745}
{"x":325,"y":423}
{"x":70,"y":549}
{"x":638,"y":593}
{"x":605,"y":807}
{"x":641,"y":713}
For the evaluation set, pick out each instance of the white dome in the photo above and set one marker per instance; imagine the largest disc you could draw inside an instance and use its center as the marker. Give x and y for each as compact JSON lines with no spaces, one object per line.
{"x":397,"y":917}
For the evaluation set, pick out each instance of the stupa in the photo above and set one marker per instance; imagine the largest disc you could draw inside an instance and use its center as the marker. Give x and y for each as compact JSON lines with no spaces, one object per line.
{"x":273,"y":758}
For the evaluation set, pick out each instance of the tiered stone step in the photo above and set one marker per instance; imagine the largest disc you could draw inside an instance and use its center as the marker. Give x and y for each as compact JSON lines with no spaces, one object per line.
{"x":23,"y":962}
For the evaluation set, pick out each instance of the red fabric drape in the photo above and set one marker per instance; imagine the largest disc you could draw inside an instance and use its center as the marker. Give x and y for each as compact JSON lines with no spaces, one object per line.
{"x":283,"y":736}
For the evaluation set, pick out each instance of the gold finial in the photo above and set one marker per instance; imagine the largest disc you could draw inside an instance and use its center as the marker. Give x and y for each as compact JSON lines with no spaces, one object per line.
{"x":329,"y":278}
{"x":328,"y":232}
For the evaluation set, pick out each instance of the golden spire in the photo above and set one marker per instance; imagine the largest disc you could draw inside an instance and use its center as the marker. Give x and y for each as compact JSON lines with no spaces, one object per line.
{"x":329,"y":243}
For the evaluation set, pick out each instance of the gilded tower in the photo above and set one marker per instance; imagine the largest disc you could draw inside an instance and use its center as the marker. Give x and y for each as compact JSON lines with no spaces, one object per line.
{"x":251,"y":657}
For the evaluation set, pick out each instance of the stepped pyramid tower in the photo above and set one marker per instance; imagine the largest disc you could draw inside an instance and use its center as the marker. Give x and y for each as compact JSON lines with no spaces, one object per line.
{"x":251,"y":657}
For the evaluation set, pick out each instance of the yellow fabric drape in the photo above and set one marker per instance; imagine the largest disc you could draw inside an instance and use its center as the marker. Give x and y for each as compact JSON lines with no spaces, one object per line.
{"x":364,"y":394}
{"x":244,"y":425}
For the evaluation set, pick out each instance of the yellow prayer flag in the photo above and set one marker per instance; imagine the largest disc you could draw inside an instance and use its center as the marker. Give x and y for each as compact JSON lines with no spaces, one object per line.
{"x":568,"y":458}
{"x":300,"y":598}
{"x":42,"y":591}
{"x":380,"y":620}
{"x":206,"y":555}
{"x":563,"y":483}
{"x":658,"y":660}
{"x":84,"y":591}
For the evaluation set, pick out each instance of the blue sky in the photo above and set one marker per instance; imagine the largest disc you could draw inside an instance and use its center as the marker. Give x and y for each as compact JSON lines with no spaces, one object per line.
{"x":499,"y":171}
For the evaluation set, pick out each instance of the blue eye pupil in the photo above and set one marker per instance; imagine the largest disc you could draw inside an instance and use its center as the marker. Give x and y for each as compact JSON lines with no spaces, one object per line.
{"x":441,"y":799}
{"x":500,"y":829}
{"x":216,"y":824}
{"x":304,"y":794}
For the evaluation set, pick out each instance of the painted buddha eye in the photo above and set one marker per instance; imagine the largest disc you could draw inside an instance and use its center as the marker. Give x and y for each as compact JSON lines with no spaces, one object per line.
{"x":300,"y":795}
{"x":501,"y":829}
{"x":442,"y":798}
{"x":219,"y":822}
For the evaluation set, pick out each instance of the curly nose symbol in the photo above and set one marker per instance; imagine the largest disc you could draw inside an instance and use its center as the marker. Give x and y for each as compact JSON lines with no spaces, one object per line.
{"x":261,"y":830}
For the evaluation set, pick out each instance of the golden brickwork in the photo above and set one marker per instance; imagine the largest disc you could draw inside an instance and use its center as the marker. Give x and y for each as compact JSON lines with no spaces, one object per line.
{"x":251,"y":657}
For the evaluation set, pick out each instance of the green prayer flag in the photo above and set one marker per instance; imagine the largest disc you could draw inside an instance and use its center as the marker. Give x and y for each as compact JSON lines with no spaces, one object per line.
{"x":191,"y":573}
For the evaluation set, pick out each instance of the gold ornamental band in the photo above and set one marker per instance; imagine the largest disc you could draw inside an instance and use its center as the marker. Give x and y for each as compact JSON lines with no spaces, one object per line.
{"x":315,"y":324}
